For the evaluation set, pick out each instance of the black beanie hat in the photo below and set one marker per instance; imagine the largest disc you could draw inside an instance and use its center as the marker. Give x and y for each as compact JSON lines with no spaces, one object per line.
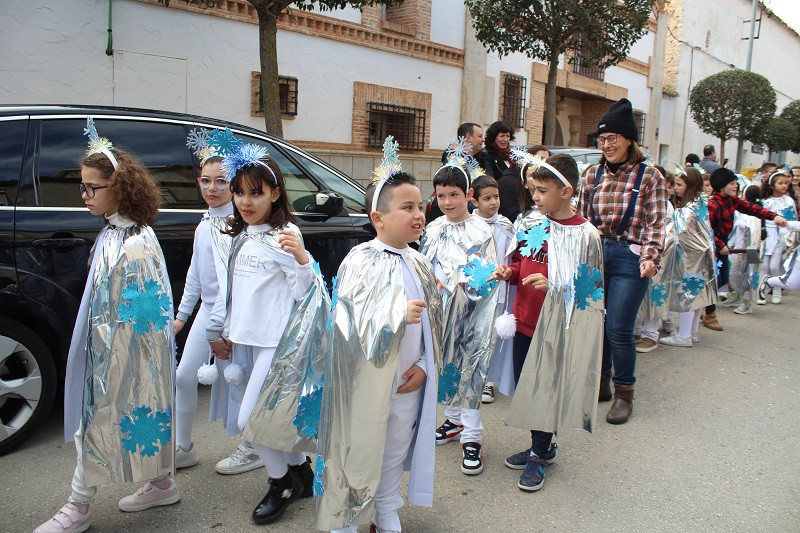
{"x":619,"y":119}
{"x":721,"y":177}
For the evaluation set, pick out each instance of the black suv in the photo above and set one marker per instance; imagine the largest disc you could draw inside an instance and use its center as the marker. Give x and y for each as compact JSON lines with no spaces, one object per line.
{"x":46,"y":231}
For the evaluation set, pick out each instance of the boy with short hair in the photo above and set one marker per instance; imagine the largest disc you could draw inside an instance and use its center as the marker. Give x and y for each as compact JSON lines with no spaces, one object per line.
{"x":462,"y":251}
{"x":379,"y":394}
{"x":558,"y":270}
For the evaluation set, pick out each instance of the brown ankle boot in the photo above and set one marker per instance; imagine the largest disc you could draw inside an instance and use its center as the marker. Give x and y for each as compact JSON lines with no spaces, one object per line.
{"x":711,"y":322}
{"x":605,"y":389}
{"x":622,"y":407}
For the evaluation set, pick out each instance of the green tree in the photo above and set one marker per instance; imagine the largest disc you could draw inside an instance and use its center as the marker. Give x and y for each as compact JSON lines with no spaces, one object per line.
{"x":733,"y":104}
{"x":268,"y":12}
{"x":792,"y":113}
{"x":602,"y":30}
{"x":779,"y":134}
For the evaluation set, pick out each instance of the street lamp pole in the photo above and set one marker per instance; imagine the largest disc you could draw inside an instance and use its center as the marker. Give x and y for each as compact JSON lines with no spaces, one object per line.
{"x":740,"y":144}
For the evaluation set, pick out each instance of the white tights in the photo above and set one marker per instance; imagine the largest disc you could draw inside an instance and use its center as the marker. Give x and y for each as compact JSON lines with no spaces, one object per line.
{"x":196,"y":352}
{"x":772,"y":265}
{"x":688,"y":322}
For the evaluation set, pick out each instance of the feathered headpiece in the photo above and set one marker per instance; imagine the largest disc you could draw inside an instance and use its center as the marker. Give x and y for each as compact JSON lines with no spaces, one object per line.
{"x":390,"y":165}
{"x":245,"y":155}
{"x":679,"y":170}
{"x":206,"y":145}
{"x":525,"y":159}
{"x":458,"y":156}
{"x":97,"y":144}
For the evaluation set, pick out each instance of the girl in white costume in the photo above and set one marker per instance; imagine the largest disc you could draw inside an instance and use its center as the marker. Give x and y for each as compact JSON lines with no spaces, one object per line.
{"x":773,"y":192}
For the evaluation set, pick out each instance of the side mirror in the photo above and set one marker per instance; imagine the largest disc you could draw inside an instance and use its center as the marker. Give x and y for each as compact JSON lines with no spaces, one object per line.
{"x":328,"y":203}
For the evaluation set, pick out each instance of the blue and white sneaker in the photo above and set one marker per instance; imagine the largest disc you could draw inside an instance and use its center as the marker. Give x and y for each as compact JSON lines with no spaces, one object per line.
{"x":532,"y":477}
{"x":519,"y":461}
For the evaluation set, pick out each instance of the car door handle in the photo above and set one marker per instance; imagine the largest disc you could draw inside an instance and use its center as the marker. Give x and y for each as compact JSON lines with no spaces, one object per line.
{"x":59,"y":243}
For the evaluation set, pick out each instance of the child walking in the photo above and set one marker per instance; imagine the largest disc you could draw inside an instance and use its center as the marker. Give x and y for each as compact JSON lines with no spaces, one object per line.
{"x":744,"y":276}
{"x":269,"y":270}
{"x":559,"y":308}
{"x":462,"y":251}
{"x":775,"y":198}
{"x":379,"y":399}
{"x":118,"y":393}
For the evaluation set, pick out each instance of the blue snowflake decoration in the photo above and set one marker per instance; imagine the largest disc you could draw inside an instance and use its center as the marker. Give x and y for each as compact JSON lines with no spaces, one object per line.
{"x":588,"y":285}
{"x":478,"y":271}
{"x":693,"y":284}
{"x":145,"y":431}
{"x":224,"y":140}
{"x":701,"y":211}
{"x":319,"y":471}
{"x":755,"y":277}
{"x":789,"y":213}
{"x":717,"y":266}
{"x":334,"y":301}
{"x":308,"y":411}
{"x":449,"y":380}
{"x":458,"y":149}
{"x":147,"y":308}
{"x":534,"y":238}
{"x":197,"y":139}
{"x":658,"y":294}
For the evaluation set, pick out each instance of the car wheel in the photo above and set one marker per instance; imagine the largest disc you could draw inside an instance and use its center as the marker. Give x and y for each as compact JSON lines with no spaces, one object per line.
{"x":27,"y":383}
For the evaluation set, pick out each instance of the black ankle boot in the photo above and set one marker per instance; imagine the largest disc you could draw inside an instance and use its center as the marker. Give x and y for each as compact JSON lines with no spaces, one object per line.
{"x":282,"y":492}
{"x":304,"y":473}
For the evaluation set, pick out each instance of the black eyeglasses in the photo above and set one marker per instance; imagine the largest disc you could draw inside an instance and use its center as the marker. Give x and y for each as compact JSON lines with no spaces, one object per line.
{"x":205,"y":183}
{"x":89,"y":189}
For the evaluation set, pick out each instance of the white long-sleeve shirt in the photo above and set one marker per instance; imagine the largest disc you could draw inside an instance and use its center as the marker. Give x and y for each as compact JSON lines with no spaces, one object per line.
{"x":201,"y":279}
{"x":776,"y":204}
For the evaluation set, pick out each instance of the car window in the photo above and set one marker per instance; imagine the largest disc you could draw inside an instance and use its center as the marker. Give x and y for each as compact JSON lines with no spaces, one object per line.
{"x":12,"y":144}
{"x":353,"y":198}
{"x":160,"y":146}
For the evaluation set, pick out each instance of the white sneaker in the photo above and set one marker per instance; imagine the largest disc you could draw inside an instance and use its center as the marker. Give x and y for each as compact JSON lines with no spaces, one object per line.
{"x":150,"y":496}
{"x":743,"y":309}
{"x":761,"y":302}
{"x":68,"y":519}
{"x":668,"y":326}
{"x":695,"y":338}
{"x":675,"y":340}
{"x":185,"y":458}
{"x":776,"y":295}
{"x":487,"y":396}
{"x":724,"y":296}
{"x":243,"y":459}
{"x":732,"y":302}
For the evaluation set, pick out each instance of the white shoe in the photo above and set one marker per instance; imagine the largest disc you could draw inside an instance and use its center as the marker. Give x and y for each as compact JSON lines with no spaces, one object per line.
{"x":776,"y":295}
{"x":185,"y":458}
{"x":761,"y":302}
{"x":487,"y":395}
{"x":743,"y":309}
{"x":675,"y":340}
{"x":243,"y":459}
{"x":150,"y":496}
{"x":724,"y":296}
{"x":68,"y":519}
{"x":732,"y":302}
{"x":695,"y":338}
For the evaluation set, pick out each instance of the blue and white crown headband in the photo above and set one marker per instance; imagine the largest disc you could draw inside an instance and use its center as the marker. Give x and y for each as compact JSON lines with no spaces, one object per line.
{"x":245,"y":155}
{"x":206,"y":145}
{"x":458,"y":156}
{"x":525,"y":159}
{"x":97,"y":144}
{"x":390,"y":165}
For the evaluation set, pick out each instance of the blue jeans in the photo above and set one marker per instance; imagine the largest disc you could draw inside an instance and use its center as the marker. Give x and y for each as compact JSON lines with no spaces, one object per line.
{"x":625,"y":289}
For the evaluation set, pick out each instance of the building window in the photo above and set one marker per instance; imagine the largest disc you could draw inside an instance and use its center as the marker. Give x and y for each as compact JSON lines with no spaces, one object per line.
{"x":514,"y":89}
{"x":287,"y":91}
{"x":639,"y":119}
{"x":582,"y":67}
{"x":757,"y":149}
{"x":406,"y":124}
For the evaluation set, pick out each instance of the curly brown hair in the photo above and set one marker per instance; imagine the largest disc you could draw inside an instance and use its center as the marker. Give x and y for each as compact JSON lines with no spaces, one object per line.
{"x":257,"y":177}
{"x":130,"y":185}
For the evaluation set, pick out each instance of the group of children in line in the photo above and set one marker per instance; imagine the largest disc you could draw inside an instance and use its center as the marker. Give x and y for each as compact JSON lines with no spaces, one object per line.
{"x":354,"y":376}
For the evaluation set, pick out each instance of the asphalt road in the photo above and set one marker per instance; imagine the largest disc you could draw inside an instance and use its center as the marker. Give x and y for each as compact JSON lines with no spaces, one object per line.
{"x":713,"y":445}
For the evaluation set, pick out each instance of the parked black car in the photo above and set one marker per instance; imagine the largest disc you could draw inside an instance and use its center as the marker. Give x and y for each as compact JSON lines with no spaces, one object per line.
{"x":46,"y":232}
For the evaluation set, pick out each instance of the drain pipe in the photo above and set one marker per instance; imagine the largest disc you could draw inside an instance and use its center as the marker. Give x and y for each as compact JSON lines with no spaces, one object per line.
{"x":110,"y":45}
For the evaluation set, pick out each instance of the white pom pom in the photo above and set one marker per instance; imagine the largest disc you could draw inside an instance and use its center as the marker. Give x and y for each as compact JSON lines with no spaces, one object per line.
{"x":506,"y":325}
{"x":207,"y":374}
{"x":234,"y":374}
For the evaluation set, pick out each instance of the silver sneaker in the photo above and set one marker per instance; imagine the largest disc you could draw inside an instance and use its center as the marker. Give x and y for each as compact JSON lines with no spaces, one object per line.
{"x":675,"y":340}
{"x":743,"y":309}
{"x":243,"y":459}
{"x":185,"y":458}
{"x":732,"y":302}
{"x":695,"y":338}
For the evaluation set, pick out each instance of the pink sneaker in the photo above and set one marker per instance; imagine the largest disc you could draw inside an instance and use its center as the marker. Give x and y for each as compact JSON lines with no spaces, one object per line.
{"x":67,"y":520}
{"x":150,"y":496}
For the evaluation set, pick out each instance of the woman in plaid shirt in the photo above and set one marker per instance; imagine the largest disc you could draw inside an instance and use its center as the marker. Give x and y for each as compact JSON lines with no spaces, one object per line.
{"x":627,"y":201}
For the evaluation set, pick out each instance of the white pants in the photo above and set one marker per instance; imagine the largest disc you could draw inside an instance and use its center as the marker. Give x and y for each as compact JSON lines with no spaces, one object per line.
{"x":772,"y":265}
{"x":688,"y":322}
{"x":470,"y":419}
{"x":276,"y":462}
{"x":650,"y":329}
{"x":790,"y":281}
{"x":196,"y":352}
{"x":400,"y":429}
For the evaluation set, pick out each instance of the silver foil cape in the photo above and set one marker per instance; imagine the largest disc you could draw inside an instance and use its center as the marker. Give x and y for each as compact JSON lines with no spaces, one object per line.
{"x":692,"y":273}
{"x":124,"y":344}
{"x":655,"y":304}
{"x":286,"y":415}
{"x":367,"y":326}
{"x":744,"y":276}
{"x":469,"y":336}
{"x":561,"y":376}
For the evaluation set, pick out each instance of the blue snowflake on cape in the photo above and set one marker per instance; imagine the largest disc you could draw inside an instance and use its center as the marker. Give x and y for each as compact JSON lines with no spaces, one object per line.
{"x":147,"y":308}
{"x":701,"y":211}
{"x":693,"y":284}
{"x":534,"y":238}
{"x":788,"y":213}
{"x":145,"y":431}
{"x":224,"y":140}
{"x":319,"y":471}
{"x":449,"y":380}
{"x":755,"y":277}
{"x":334,"y":301}
{"x":478,"y":271}
{"x":588,"y":284}
{"x":308,"y":411}
{"x":658,"y":294}
{"x":717,"y":266}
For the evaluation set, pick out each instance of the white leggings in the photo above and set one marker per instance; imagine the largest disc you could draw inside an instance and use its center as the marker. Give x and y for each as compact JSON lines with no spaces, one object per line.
{"x":196,"y":352}
{"x":688,"y":322}
{"x":276,"y":462}
{"x":772,"y":265}
{"x":789,"y":281}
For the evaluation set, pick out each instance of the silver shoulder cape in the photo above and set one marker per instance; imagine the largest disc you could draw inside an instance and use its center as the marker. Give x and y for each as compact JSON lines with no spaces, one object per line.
{"x":657,"y":298}
{"x":693,"y":273}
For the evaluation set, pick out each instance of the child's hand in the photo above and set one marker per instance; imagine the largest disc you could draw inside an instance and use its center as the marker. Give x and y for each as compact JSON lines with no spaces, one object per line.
{"x":178,"y":325}
{"x":439,"y":285}
{"x":538,"y":281}
{"x":503,"y":273}
{"x":291,"y":243}
{"x":780,"y":221}
{"x":724,"y":251}
{"x":221,"y":348}
{"x":414,"y":377}
{"x":414,"y":311}
{"x":647,"y":269}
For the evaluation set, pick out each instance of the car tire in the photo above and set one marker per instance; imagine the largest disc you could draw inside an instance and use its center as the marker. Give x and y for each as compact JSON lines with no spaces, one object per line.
{"x":28,"y":383}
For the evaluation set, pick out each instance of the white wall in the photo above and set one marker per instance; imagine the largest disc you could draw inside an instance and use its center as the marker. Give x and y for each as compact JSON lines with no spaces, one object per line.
{"x":643,"y":48}
{"x":638,"y":91}
{"x":447,"y":22}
